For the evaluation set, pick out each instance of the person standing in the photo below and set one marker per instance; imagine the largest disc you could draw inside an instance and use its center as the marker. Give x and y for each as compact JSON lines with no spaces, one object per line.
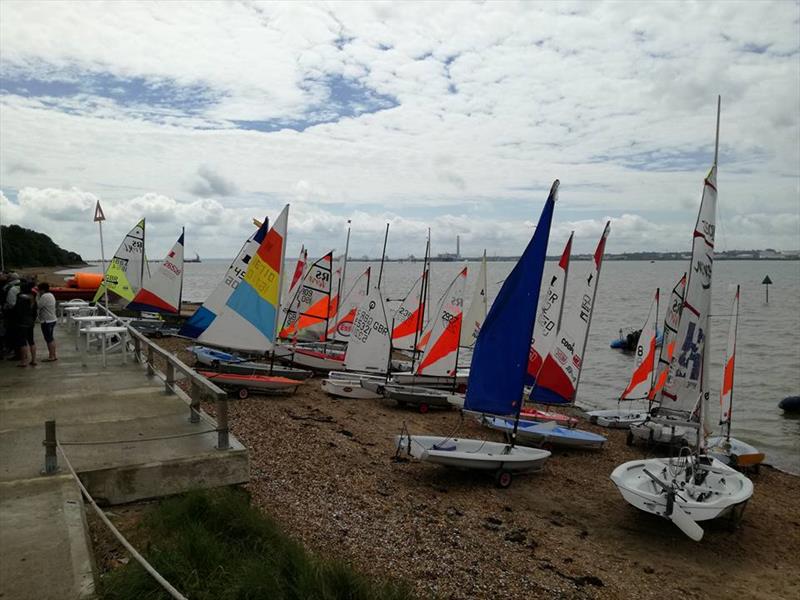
{"x":46,"y":307}
{"x":24,"y":321}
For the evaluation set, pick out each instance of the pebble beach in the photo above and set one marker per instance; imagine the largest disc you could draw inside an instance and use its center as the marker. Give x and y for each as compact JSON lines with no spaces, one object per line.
{"x":326,"y":469}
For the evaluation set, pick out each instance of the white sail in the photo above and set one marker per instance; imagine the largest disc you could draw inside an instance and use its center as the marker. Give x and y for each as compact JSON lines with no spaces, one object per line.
{"x":408,"y":317}
{"x":346,"y":313}
{"x":557,"y":380}
{"x":247,"y":321}
{"x":726,"y":390}
{"x":644,"y":359}
{"x":161,"y":291}
{"x":548,"y":321}
{"x":127,"y":268}
{"x":441,"y":348}
{"x":476,"y":314}
{"x":672,"y":319}
{"x":308,"y":313}
{"x":214,"y":304}
{"x":688,"y":378}
{"x":369,"y":346}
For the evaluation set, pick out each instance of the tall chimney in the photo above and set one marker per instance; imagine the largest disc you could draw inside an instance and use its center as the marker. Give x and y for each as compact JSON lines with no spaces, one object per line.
{"x":458,"y":246}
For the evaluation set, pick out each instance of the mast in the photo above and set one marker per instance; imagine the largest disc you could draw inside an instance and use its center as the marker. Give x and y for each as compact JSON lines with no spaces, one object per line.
{"x":342,"y":276}
{"x":183,"y":269}
{"x":421,"y":307}
{"x":383,"y":254}
{"x":733,"y":370}
{"x":566,"y":277}
{"x":280,"y":275}
{"x":663,"y":334}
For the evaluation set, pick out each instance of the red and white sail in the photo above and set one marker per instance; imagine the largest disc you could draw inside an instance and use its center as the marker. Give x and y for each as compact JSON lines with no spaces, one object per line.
{"x":551,"y":308}
{"x":672,"y":319}
{"x":369,"y":345}
{"x":342,"y":319}
{"x":408,"y":320}
{"x":688,"y":379}
{"x":442,"y":344}
{"x":308,"y":314}
{"x":478,"y":308}
{"x":557,"y":380}
{"x":644,"y":359}
{"x":161,"y":291}
{"x":302,"y":259}
{"x":726,"y":391}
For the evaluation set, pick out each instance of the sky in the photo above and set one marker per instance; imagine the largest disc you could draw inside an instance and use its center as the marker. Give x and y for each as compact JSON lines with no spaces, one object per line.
{"x":455,"y":116}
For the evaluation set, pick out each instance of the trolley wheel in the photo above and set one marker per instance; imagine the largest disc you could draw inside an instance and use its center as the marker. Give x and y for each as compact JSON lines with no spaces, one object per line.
{"x":629,"y":439}
{"x":547,"y":446}
{"x":215,"y":364}
{"x":424,"y":408}
{"x":243,"y":393}
{"x":503,"y":478}
{"x":158,"y":335}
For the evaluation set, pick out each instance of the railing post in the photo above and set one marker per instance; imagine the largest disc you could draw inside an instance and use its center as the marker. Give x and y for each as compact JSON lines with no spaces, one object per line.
{"x":194,"y":405}
{"x":49,"y":443}
{"x":169,"y":382}
{"x":222,"y":424}
{"x":137,"y":348}
{"x":150,"y":371}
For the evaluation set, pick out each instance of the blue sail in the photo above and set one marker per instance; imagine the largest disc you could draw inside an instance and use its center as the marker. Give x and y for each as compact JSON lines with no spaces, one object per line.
{"x":500,"y":359}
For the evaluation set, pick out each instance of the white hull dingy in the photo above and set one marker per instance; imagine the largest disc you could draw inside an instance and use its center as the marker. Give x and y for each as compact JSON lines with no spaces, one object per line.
{"x":617,"y":418}
{"x":547,"y":434}
{"x":658,"y":433}
{"x":474,"y":454}
{"x":672,"y":489}
{"x":348,"y":384}
{"x":733,"y":452}
{"x":462,"y":377}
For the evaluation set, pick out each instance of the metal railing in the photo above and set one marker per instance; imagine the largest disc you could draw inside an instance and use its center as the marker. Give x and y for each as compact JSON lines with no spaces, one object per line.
{"x":145,"y":352}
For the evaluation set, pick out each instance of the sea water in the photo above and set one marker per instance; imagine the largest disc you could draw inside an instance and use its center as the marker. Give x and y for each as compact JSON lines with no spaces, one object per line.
{"x":768,"y":342}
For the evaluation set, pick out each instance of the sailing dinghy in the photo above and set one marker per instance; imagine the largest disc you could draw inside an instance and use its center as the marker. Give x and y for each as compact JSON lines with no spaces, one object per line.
{"x":367,"y":356}
{"x":161,"y":291}
{"x":478,"y":307}
{"x":225,"y":362}
{"x":128,"y":268}
{"x":558,"y":378}
{"x":694,"y":486}
{"x":731,"y":451}
{"x":642,"y":378}
{"x":547,"y":434}
{"x":242,"y":385}
{"x":499,"y":364}
{"x":439,"y":361}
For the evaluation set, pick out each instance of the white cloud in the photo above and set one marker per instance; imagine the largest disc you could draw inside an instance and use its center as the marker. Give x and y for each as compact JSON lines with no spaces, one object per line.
{"x":494,"y":102}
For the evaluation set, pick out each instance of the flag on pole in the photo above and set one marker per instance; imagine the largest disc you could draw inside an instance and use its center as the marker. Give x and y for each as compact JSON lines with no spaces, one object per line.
{"x":98,"y":213}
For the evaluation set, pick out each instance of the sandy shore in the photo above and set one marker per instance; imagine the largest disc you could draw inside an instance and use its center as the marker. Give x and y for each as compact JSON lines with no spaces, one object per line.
{"x":325,"y":468}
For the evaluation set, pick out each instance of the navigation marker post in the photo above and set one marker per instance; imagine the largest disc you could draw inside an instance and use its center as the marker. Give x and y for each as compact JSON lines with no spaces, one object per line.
{"x":99,"y":217}
{"x":766,"y":283}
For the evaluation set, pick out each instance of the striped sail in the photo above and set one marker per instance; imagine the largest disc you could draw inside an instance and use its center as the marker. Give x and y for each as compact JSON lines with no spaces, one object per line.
{"x":408,"y":318}
{"x":688,"y":379}
{"x":500,"y":359}
{"x":340,"y":329}
{"x":476,"y":314}
{"x":441,"y":350}
{"x":308,"y":314}
{"x":644,"y":359}
{"x":126,"y":270}
{"x":248,"y":319}
{"x":302,"y":259}
{"x":369,"y":346}
{"x":549,"y":320}
{"x":671,"y":321}
{"x":557,"y":381}
{"x":203,"y":316}
{"x":726,"y":391}
{"x":161,"y":291}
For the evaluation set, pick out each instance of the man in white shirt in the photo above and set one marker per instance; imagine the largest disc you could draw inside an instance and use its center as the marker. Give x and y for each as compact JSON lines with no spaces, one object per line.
{"x":48,"y":319}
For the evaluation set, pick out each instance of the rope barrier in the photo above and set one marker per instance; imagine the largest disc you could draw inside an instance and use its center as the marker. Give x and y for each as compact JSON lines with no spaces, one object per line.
{"x":139,"y":558}
{"x":150,"y":439}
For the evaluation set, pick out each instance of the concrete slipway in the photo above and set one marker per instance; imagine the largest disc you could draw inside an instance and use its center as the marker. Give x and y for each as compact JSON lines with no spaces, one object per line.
{"x":44,"y":543}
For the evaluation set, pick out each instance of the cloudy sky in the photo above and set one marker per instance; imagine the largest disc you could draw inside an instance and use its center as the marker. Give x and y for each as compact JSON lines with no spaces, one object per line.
{"x":456,"y":116}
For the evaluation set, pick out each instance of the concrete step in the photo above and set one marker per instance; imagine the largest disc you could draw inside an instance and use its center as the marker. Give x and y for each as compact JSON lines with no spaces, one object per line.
{"x":44,"y":543}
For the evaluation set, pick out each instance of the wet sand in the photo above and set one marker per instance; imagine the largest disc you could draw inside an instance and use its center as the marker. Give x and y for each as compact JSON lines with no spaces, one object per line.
{"x":325,"y":468}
